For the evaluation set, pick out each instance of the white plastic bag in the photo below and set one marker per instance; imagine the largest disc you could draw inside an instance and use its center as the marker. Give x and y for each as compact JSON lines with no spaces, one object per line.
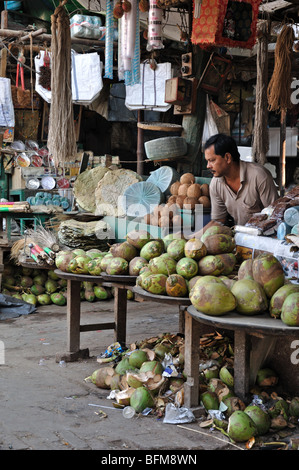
{"x":7,"y":115}
{"x":86,"y":76}
{"x":210,"y":128}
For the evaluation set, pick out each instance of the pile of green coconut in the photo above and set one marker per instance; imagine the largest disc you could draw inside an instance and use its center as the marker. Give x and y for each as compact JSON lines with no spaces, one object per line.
{"x":43,"y":287}
{"x":137,"y":379}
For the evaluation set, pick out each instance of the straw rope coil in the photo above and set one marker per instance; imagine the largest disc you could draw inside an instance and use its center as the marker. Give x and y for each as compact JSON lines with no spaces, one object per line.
{"x":279,"y":88}
{"x":61,"y":138}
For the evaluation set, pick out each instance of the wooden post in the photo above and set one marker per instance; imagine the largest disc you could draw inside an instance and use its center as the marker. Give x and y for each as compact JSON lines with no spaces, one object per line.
{"x":140,"y":145}
{"x":192,"y":337}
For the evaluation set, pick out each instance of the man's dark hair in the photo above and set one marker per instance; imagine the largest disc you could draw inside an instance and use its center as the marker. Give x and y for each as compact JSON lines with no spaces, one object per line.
{"x":223,"y":144}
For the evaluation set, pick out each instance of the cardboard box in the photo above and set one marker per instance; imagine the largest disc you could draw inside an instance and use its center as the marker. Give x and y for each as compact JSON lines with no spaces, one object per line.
{"x":17,"y":180}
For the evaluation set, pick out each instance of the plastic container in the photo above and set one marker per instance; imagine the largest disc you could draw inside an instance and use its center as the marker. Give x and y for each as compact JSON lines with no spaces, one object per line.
{"x":128,"y":412}
{"x":291,"y":216}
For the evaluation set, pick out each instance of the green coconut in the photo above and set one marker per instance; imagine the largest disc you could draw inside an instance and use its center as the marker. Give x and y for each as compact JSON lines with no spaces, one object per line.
{"x":250,"y":296}
{"x":26,"y":281}
{"x":266,"y":377}
{"x":268,"y":271}
{"x":117,"y":266}
{"x":290,"y":310}
{"x":229,"y":261}
{"x":209,"y":400}
{"x":162,"y":265}
{"x":100,"y":292}
{"x":123,"y":250}
{"x":170,"y":237}
{"x":241,"y":427}
{"x":123,"y":366}
{"x":212,"y":298}
{"x":216,"y":229}
{"x":294,"y":407}
{"x":155,"y":284}
{"x":152,"y":249}
{"x":30,"y":299}
{"x":260,"y":418}
{"x":51,"y":286}
{"x":233,"y":404}
{"x":58,"y":298}
{"x":279,"y":297}
{"x":141,"y":399}
{"x":280,"y":407}
{"x":44,"y":299}
{"x":176,"y":249}
{"x":37,"y":289}
{"x":137,"y":358}
{"x":94,"y":267}
{"x":153,"y":366}
{"x":210,"y":265}
{"x":187,"y":267}
{"x":138,"y":238}
{"x":245,"y":269}
{"x":176,"y":286}
{"x":226,"y":374}
{"x":195,"y":249}
{"x":136,"y":264}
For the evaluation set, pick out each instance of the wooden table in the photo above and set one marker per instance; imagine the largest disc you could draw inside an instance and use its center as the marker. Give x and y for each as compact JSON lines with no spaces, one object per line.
{"x":181,"y":302}
{"x":74,"y":328}
{"x":254,"y":340}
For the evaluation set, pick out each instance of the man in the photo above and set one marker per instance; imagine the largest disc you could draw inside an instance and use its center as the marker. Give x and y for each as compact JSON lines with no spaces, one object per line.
{"x":238,"y":189}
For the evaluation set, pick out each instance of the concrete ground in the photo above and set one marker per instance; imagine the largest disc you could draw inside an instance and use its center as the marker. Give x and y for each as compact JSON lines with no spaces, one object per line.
{"x":48,"y":407}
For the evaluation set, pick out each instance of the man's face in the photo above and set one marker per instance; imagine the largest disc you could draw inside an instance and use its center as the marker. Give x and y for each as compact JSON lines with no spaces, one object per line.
{"x":217,"y":164}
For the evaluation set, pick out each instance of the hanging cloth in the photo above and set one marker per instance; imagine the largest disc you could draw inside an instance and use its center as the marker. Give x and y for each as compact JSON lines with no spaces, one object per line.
{"x":62,"y":137}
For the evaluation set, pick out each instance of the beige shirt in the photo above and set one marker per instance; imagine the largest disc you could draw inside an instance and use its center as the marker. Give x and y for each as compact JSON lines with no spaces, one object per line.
{"x":257,"y":190}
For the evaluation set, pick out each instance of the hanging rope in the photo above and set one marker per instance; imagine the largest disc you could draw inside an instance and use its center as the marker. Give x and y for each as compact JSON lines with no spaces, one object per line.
{"x":61,"y":138}
{"x":260,"y":144}
{"x":279,"y":88}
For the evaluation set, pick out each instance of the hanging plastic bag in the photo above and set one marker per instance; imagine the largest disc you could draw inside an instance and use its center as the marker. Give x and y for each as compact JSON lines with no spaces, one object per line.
{"x":210,"y":128}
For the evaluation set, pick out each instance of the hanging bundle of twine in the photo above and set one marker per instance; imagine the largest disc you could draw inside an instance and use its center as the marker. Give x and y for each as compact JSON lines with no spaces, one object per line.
{"x":279,"y":88}
{"x":61,"y":138}
{"x":260,"y":145}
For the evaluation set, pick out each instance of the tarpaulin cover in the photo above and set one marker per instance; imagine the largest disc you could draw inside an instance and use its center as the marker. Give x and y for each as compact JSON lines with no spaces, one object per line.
{"x":10,"y":307}
{"x":226,"y":23}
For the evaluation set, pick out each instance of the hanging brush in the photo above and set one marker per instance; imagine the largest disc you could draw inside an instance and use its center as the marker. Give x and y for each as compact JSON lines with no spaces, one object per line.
{"x":44,"y":78}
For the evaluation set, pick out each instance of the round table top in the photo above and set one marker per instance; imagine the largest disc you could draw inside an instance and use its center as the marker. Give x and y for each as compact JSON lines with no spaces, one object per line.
{"x":124,"y":279}
{"x":78,"y":277}
{"x":261,"y":323}
{"x":166,"y":299}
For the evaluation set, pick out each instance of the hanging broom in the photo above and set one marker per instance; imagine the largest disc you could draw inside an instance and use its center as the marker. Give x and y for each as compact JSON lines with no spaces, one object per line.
{"x":62,"y":137}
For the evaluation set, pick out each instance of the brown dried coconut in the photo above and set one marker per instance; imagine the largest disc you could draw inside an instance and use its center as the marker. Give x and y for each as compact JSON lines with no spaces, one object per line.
{"x":194,"y":190}
{"x":188,"y":178}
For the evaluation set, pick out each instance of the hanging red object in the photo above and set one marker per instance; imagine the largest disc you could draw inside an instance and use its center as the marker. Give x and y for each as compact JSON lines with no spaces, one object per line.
{"x":230,"y":23}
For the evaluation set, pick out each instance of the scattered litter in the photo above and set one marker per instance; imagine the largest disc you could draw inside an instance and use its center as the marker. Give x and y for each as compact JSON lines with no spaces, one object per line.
{"x":128,"y":412}
{"x":175,"y":415}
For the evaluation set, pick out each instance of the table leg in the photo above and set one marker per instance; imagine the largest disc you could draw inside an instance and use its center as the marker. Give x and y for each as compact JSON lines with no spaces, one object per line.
{"x":73,"y":325}
{"x":120,"y":314}
{"x":242,"y":347}
{"x":192,"y":343}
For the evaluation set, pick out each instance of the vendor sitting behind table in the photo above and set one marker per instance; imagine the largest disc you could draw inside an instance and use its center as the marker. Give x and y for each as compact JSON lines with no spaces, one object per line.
{"x":238,"y":189}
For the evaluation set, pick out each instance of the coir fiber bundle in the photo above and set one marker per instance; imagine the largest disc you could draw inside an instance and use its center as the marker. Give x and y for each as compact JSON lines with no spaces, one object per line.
{"x":279,"y":88}
{"x":62,"y":137}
